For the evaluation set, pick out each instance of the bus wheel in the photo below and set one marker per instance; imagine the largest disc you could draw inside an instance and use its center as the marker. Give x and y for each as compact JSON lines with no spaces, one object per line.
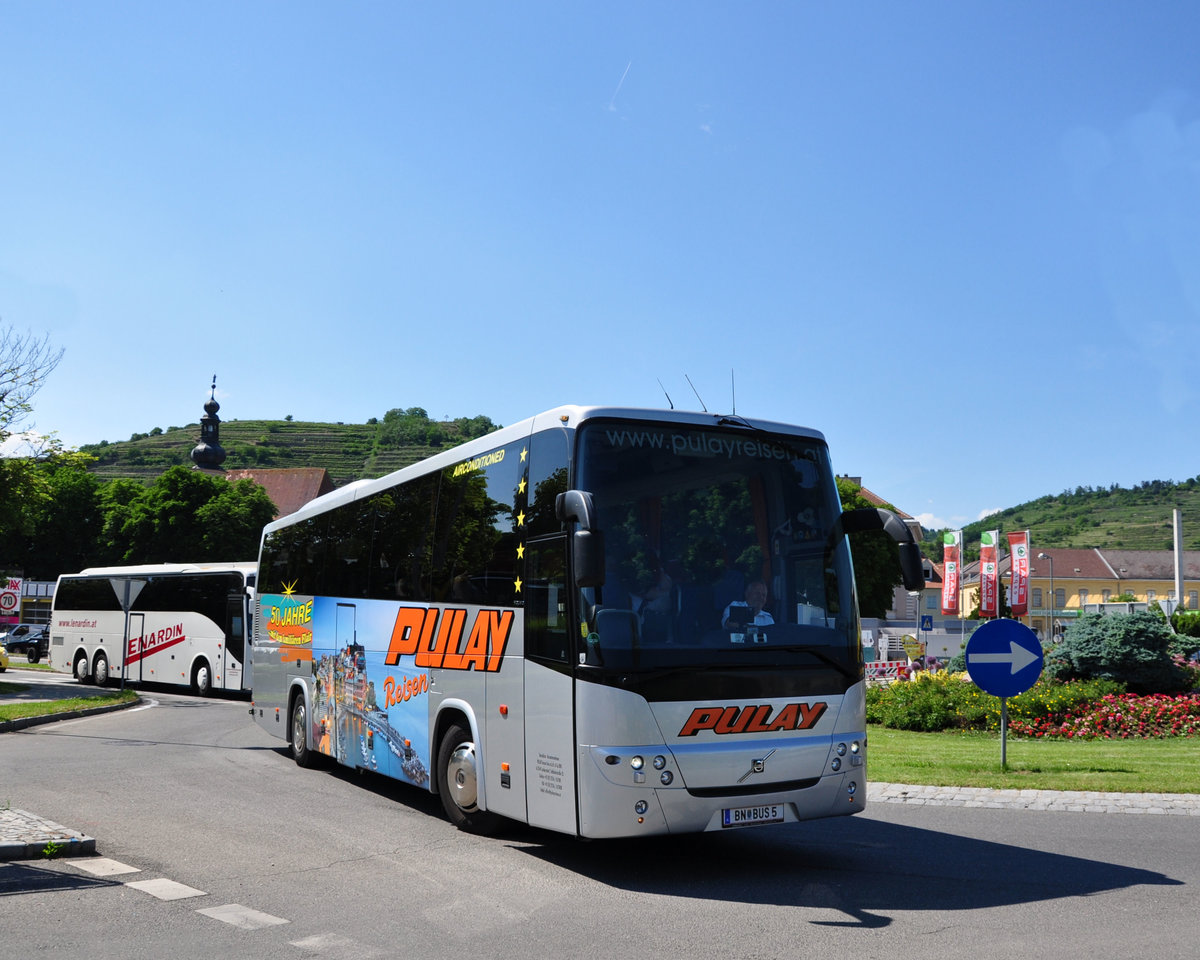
{"x":458,"y":782}
{"x":100,"y":670}
{"x":301,"y":752}
{"x":201,"y":679}
{"x":82,"y":674}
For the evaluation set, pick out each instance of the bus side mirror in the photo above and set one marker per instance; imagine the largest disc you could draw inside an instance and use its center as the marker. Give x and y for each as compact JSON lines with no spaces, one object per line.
{"x":912,"y":567}
{"x":588,"y":556}
{"x":576,"y":506}
{"x":870,"y":518}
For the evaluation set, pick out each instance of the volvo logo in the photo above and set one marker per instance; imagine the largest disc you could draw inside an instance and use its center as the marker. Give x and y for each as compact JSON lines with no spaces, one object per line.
{"x":758,"y":765}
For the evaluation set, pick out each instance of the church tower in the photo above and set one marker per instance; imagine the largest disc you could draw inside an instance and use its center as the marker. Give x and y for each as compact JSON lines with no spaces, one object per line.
{"x":208,"y":454}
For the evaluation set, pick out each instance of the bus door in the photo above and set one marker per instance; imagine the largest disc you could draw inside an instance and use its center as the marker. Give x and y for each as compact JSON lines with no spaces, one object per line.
{"x":549,"y":698}
{"x":135,"y":645}
{"x":233,"y":650}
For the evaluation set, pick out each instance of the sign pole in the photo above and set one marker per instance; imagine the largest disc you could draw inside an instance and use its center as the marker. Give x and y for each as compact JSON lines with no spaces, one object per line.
{"x":1004,"y":733}
{"x":1004,"y":658}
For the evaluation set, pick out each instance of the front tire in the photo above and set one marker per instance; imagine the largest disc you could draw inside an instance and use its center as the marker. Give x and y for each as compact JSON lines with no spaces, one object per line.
{"x":458,"y":782}
{"x":82,"y":674}
{"x":302,"y":753}
{"x":202,"y":679}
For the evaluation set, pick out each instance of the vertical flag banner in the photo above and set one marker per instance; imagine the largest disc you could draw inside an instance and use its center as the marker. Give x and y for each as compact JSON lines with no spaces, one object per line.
{"x":1018,"y":593}
{"x":989,"y":580}
{"x":950,"y":558}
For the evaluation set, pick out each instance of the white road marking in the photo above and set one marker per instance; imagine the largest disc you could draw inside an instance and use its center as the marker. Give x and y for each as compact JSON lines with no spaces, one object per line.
{"x":333,"y":946}
{"x":166,"y":889}
{"x":102,"y":866}
{"x":243,"y":917}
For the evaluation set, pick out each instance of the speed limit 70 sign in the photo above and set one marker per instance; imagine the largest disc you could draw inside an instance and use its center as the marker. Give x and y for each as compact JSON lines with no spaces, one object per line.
{"x":10,"y":597}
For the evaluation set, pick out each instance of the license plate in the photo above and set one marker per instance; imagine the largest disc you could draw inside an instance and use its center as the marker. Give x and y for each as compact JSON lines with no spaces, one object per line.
{"x":748,"y":816}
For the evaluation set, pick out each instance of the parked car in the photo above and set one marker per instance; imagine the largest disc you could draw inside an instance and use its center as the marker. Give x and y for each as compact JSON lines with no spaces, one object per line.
{"x":31,"y":639}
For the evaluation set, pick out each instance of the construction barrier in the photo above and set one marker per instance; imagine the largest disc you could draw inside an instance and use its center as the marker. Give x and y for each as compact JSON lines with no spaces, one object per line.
{"x":886,"y":669}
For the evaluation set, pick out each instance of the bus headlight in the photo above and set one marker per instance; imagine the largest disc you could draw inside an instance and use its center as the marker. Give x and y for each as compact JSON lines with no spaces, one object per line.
{"x":637,"y":763}
{"x":666,"y":777}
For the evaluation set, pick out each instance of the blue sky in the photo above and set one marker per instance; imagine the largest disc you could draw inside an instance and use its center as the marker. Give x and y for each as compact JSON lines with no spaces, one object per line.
{"x":962,"y":239}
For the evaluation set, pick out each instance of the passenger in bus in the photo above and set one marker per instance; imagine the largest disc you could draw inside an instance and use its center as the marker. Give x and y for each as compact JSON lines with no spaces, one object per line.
{"x":737,"y":617}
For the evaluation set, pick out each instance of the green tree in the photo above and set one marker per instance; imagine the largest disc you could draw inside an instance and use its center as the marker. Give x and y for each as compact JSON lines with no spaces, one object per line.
{"x":185,"y":516}
{"x":68,"y":522}
{"x":233,"y":520}
{"x":876,"y":557}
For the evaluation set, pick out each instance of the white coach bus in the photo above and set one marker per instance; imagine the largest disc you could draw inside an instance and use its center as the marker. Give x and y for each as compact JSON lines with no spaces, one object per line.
{"x":605,"y":622}
{"x":173,"y":623}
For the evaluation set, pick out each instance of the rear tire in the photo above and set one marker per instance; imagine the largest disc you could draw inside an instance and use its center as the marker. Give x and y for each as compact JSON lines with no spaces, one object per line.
{"x":458,"y":783}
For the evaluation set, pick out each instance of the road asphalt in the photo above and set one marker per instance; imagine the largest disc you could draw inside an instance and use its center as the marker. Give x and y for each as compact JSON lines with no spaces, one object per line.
{"x":27,"y":836}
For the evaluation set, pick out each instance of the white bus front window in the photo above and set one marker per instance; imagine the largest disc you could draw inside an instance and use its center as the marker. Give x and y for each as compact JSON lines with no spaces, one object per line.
{"x":716,"y":541}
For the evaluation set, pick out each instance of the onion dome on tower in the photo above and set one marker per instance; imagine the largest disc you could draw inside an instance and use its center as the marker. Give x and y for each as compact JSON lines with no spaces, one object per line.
{"x":208,"y":454}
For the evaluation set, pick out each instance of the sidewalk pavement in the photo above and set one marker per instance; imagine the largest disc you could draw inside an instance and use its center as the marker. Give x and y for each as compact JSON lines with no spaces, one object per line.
{"x":1072,"y":801}
{"x":24,"y":836}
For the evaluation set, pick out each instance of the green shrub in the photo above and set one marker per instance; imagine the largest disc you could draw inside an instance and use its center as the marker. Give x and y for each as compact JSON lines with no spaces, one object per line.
{"x":946,"y":701}
{"x":1133,"y":649}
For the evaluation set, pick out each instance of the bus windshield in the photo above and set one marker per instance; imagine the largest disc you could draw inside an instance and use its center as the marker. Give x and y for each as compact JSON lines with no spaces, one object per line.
{"x":719,"y":550}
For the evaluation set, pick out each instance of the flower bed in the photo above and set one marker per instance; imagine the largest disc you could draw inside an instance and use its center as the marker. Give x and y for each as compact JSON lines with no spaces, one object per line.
{"x":1079,"y":710}
{"x":1117,"y":717}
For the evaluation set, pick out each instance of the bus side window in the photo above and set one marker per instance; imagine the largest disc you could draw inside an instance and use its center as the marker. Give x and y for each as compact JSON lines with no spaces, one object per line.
{"x":547,"y":479}
{"x":547,"y":636}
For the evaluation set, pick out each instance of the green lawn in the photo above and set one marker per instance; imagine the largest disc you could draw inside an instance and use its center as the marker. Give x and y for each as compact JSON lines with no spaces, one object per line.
{"x":973,"y":760}
{"x":14,"y":711}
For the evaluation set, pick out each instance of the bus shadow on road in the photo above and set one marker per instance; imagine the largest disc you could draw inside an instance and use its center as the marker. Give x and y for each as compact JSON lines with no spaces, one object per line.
{"x":22,"y":878}
{"x":861,"y":869}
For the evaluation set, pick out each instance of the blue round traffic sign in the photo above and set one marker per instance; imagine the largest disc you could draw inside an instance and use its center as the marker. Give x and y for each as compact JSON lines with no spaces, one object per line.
{"x":1004,"y":658}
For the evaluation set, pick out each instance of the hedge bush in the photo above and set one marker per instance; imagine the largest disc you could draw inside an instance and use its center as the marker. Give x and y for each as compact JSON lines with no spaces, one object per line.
{"x":948,"y":701}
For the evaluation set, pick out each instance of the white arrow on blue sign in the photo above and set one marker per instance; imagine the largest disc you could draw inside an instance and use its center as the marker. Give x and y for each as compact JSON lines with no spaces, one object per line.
{"x":1004,"y":658}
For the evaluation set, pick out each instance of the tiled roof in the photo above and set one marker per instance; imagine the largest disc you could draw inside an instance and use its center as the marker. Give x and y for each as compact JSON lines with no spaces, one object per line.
{"x":1150,"y":564}
{"x":289,"y":488}
{"x":1097,"y":564}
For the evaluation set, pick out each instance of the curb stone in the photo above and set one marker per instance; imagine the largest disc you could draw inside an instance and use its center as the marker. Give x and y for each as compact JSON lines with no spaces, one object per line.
{"x":24,"y":836}
{"x":1071,"y":801}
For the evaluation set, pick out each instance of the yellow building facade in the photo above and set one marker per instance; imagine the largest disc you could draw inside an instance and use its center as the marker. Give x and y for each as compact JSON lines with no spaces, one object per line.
{"x":1062,"y":582}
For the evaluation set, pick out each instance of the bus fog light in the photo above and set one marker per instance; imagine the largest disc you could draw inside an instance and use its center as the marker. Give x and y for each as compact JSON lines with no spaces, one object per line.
{"x":659,"y":762}
{"x":637,"y":763}
{"x":852,"y":788}
{"x":666,"y":777}
{"x":641,"y":807}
